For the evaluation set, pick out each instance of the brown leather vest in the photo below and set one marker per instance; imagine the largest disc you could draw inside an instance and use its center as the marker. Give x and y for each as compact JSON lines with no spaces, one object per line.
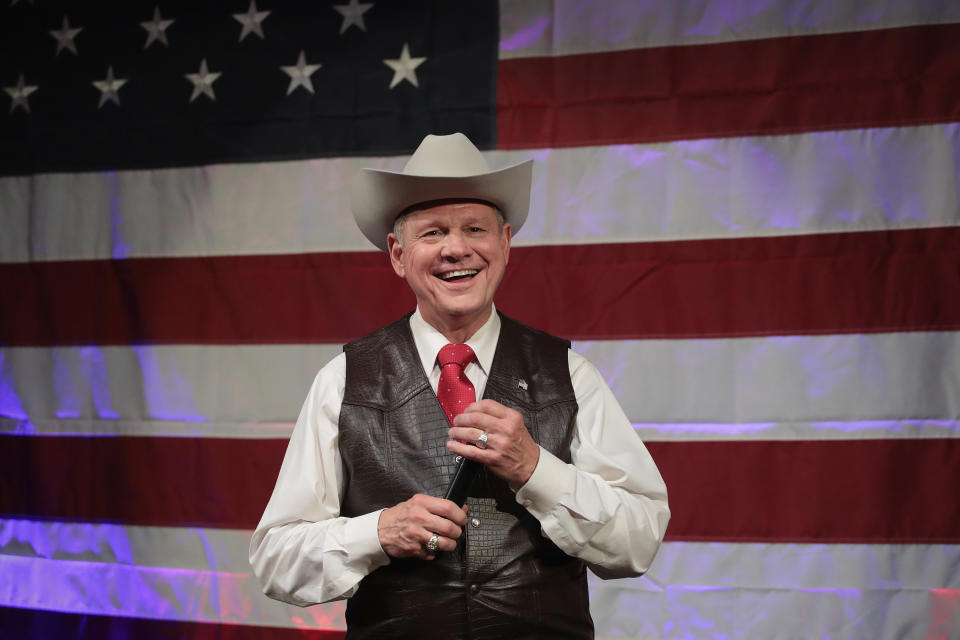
{"x":505,"y":580}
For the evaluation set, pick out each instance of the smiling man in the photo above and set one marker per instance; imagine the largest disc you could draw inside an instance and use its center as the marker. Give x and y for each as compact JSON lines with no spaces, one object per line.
{"x":562,"y":481}
{"x":453,"y":255}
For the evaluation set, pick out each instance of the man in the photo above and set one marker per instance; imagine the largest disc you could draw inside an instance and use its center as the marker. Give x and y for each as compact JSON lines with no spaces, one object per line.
{"x":564,"y":481}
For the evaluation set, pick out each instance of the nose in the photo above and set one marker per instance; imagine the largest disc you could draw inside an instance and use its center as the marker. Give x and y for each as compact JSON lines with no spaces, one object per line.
{"x":455,"y":247}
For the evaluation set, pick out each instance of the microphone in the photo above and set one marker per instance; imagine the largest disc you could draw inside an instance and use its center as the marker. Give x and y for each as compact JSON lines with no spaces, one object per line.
{"x":461,"y":481}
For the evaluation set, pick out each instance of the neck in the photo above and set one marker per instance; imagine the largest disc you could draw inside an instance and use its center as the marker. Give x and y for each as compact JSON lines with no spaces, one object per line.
{"x":458,"y":329}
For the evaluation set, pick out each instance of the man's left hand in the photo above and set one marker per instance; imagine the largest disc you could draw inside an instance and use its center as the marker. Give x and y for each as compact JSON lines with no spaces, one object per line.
{"x":510,"y":452}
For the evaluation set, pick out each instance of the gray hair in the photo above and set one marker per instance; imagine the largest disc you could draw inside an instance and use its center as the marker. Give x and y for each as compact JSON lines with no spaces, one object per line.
{"x":398,"y":223}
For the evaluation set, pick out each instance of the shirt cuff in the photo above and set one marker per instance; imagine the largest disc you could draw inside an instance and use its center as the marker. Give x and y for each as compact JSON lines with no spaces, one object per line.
{"x":361,"y":531}
{"x":551,"y":480}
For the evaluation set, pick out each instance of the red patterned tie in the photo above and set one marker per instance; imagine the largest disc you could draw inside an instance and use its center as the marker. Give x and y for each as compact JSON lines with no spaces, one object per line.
{"x":455,"y":391}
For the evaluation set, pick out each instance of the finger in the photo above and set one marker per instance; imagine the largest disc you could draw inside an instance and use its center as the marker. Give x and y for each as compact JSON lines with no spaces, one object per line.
{"x":478,"y":420}
{"x":467,"y":435}
{"x":443,"y":544}
{"x":470,"y":452}
{"x":435,"y":505}
{"x":426,"y":551}
{"x":447,"y":510}
{"x":447,"y":544}
{"x":490,"y":407}
{"x":444,"y":527}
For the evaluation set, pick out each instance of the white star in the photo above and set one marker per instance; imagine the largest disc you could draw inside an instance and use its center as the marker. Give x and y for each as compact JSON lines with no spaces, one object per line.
{"x":251,"y":21}
{"x":64,"y":37}
{"x":353,"y":14}
{"x":300,"y":74}
{"x":109,"y":87}
{"x":403,"y":67}
{"x":156,"y":29}
{"x":19,"y":93}
{"x":202,"y":81}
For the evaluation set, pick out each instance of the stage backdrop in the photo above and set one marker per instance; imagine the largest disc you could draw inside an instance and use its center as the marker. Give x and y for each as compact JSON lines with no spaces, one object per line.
{"x":746,"y":213}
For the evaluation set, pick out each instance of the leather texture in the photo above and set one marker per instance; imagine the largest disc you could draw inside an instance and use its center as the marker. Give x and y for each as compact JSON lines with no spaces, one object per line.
{"x":505,"y":579}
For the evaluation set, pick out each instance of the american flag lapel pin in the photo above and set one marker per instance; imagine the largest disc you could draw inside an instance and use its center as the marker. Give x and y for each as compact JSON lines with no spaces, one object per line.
{"x":522,"y":384}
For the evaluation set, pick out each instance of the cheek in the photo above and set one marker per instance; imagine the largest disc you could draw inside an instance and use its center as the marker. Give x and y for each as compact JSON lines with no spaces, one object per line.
{"x":418,"y":267}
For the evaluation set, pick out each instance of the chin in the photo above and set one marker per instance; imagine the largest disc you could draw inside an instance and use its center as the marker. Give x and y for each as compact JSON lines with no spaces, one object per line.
{"x":459,"y":312}
{"x":462,"y":310}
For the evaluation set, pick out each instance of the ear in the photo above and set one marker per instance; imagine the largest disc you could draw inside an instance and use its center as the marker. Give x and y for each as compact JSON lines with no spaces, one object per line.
{"x":505,"y":239}
{"x":396,"y":253}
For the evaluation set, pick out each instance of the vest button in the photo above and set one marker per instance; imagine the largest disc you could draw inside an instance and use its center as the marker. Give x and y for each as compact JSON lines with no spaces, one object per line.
{"x":475,"y":522}
{"x":458,"y":459}
{"x":474,"y":589}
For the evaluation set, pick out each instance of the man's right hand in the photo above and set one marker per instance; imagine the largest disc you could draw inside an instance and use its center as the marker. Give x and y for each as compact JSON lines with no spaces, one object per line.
{"x":404,"y":529}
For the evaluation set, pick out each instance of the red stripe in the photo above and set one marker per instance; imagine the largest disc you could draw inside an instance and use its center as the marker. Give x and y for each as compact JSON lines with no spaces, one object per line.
{"x":137,"y":480}
{"x":826,"y":491}
{"x":779,"y":85}
{"x":37,"y":623}
{"x":829,"y":283}
{"x":892,"y":491}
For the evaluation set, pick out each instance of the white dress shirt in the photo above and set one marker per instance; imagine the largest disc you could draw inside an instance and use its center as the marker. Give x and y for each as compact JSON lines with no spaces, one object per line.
{"x":608,"y":507}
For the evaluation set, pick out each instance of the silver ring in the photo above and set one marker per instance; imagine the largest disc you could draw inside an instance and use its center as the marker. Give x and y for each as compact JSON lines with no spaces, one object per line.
{"x":433,"y":544}
{"x":482,"y":441}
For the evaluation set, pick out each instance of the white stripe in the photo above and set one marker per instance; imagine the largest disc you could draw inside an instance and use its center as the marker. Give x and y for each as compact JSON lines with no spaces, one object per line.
{"x":193,"y":548}
{"x":211,"y":428}
{"x":152,"y":592}
{"x":806,"y":566}
{"x":225,"y":391}
{"x":761,"y":591}
{"x":700,"y":576}
{"x":649,"y":432}
{"x":563,"y":27}
{"x":801,"y":379}
{"x":793,"y":430}
{"x":789,"y":387}
{"x":855,"y":180}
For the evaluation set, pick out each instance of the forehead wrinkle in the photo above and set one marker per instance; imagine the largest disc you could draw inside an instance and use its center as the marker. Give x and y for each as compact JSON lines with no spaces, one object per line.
{"x":436,"y":210}
{"x":468,"y":209}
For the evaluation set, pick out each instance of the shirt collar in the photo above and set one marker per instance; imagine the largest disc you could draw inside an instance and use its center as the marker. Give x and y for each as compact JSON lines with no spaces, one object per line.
{"x":429,"y":341}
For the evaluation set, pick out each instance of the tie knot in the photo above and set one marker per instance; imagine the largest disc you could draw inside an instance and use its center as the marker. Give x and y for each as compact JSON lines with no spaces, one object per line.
{"x":460,"y":354}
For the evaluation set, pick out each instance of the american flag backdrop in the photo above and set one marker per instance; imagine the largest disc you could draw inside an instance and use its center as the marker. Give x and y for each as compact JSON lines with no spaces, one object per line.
{"x":745,"y":212}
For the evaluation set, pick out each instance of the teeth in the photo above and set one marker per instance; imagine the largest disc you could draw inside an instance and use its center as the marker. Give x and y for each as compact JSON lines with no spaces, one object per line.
{"x":454,"y":274}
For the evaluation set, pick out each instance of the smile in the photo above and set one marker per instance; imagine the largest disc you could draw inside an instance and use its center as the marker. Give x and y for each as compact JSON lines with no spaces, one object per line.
{"x":458,"y":275}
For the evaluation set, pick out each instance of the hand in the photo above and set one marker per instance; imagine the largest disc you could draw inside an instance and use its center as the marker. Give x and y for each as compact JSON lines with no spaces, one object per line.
{"x":404,"y":529}
{"x":511,"y":452}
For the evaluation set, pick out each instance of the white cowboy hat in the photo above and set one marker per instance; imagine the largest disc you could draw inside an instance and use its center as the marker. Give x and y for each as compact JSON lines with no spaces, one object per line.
{"x":442,"y":167}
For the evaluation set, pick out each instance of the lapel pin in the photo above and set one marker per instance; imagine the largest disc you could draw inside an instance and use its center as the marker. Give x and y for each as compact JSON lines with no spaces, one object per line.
{"x":522,"y":384}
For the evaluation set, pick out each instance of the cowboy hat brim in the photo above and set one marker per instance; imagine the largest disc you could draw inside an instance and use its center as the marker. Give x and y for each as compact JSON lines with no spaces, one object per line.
{"x":378,"y":196}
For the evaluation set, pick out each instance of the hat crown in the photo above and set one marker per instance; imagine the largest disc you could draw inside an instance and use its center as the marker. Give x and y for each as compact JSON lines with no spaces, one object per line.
{"x":442,"y":168}
{"x":452,"y":156}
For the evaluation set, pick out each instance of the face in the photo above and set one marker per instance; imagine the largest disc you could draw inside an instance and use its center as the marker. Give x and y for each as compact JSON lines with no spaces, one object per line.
{"x":453,"y":257}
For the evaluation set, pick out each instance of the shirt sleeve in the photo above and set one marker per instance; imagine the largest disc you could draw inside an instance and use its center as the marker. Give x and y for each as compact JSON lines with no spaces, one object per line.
{"x":303,"y":552}
{"x":609,"y":506}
